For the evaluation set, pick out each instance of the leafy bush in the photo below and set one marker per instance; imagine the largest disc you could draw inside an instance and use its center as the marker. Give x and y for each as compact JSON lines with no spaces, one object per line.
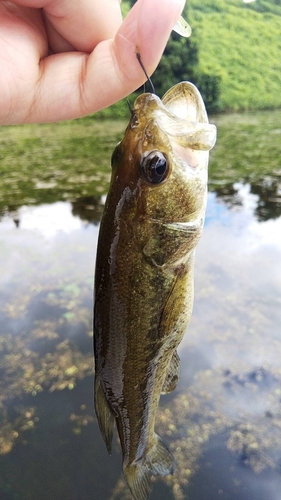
{"x":209,"y":86}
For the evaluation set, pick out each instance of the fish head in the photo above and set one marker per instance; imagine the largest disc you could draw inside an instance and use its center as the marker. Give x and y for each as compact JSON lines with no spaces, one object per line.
{"x":160,"y":170}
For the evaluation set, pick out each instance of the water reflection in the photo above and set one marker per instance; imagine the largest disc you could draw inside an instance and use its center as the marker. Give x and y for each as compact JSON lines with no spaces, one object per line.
{"x":223,"y":424}
{"x":220,"y":477}
{"x":268,"y":191}
{"x":49,"y":219}
{"x":89,"y":208}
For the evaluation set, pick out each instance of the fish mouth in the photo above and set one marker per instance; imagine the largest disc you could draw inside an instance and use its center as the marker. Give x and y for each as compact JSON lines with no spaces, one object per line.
{"x":184,"y":118}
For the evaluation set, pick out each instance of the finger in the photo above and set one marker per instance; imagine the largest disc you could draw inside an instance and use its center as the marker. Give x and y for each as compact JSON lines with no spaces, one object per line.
{"x":81,"y":25}
{"x":146,"y":29}
{"x":72,"y":85}
{"x":56,"y":42}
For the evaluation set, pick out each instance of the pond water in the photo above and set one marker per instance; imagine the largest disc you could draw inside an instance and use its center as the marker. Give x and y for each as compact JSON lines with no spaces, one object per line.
{"x":223,"y":422}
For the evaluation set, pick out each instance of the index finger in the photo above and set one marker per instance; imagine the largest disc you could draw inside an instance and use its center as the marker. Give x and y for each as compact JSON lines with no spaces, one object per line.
{"x":82,"y":24}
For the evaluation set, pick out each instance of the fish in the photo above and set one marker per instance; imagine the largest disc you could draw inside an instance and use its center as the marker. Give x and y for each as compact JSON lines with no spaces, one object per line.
{"x":182,"y":27}
{"x":152,"y":221}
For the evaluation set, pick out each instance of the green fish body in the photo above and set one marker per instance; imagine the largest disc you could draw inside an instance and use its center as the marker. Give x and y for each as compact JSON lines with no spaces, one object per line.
{"x":152,"y":221}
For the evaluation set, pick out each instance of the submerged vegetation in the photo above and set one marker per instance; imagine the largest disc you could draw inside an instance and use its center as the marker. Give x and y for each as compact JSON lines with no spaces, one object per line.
{"x":233,"y":55}
{"x":52,"y":162}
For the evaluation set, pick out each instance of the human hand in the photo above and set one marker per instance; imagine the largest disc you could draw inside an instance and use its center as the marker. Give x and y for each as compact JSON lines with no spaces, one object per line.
{"x":63,"y":59}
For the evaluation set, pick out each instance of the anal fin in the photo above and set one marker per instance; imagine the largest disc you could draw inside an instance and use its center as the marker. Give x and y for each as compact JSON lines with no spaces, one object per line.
{"x":104,"y":414}
{"x":160,"y":459}
{"x":172,"y":375}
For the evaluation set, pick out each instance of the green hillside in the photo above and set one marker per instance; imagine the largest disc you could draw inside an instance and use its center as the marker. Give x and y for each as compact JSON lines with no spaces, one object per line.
{"x":240,"y":43}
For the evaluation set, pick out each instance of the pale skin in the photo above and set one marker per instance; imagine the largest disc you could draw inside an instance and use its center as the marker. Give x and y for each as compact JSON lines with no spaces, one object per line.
{"x":63,"y":59}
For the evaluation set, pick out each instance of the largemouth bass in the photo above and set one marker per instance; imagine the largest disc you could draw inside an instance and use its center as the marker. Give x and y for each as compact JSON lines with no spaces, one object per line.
{"x":152,"y":221}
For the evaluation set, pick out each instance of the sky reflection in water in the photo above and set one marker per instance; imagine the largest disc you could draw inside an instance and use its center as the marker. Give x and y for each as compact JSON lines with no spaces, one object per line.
{"x":223,"y":423}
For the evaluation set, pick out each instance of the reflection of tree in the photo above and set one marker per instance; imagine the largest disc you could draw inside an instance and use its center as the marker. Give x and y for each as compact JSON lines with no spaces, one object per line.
{"x":228,"y":193}
{"x":88,"y":208}
{"x":268,"y":192}
{"x":269,"y":203}
{"x":11,"y":211}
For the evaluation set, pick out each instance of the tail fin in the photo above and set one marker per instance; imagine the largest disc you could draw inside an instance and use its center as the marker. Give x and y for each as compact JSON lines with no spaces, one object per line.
{"x":158,"y":460}
{"x":138,"y":479}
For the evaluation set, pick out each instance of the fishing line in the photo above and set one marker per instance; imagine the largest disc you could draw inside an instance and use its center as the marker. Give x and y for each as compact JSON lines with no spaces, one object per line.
{"x":130,"y":108}
{"x":144,"y":70}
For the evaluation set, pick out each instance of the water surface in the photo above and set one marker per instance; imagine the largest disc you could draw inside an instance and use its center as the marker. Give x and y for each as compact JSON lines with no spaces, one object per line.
{"x":223,"y":422}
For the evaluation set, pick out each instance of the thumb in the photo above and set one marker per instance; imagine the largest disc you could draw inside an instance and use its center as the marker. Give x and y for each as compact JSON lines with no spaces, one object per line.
{"x":146,"y":30}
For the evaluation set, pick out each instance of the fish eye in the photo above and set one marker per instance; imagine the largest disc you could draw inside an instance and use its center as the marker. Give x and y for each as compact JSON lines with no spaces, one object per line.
{"x":154,"y":167}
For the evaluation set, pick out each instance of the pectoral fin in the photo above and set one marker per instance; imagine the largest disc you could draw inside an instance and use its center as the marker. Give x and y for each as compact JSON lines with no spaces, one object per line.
{"x":104,"y":414}
{"x":172,"y":376}
{"x":158,"y":460}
